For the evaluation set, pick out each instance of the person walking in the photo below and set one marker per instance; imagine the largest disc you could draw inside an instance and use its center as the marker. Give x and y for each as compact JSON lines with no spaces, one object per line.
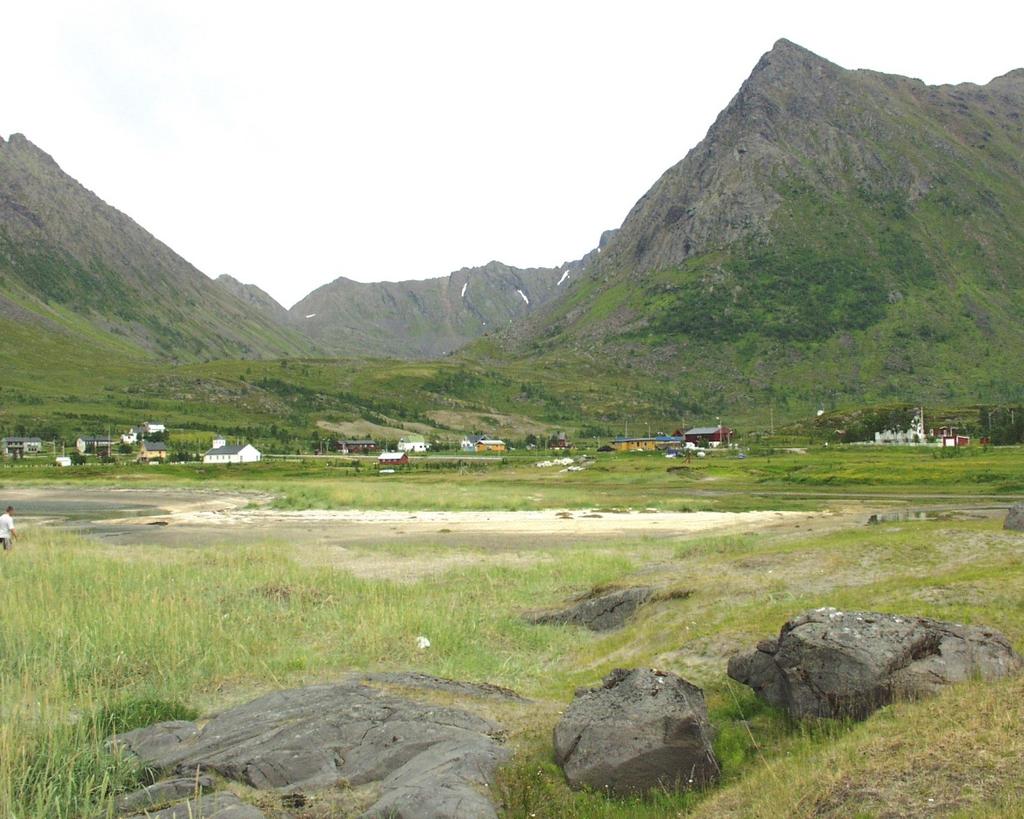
{"x":7,"y":533}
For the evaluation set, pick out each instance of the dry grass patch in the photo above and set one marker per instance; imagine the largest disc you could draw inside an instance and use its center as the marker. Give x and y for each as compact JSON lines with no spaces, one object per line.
{"x":957,"y":754}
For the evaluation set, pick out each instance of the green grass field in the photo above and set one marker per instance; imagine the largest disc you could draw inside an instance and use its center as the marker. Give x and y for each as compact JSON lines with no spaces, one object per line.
{"x":792,"y":478}
{"x":99,"y":638}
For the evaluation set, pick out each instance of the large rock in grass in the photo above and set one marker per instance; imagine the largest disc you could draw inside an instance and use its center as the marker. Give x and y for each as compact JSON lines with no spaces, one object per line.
{"x":830,"y":663}
{"x":640,"y":729}
{"x":597,"y":611}
{"x":604,"y":609}
{"x":422,"y":760}
{"x":1015,"y":518}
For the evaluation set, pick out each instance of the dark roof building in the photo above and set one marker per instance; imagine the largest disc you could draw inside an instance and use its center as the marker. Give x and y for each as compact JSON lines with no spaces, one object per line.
{"x":16,"y":446}
{"x":709,"y":435}
{"x":227,"y":449}
{"x":357,"y":445}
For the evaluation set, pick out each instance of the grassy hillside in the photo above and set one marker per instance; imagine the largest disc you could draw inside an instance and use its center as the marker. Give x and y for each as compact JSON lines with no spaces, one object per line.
{"x":839,"y":237}
{"x":64,"y":251}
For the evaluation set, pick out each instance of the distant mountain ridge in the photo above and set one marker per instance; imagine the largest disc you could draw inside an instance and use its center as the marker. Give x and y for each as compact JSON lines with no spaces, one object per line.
{"x":72,"y":265}
{"x":253,"y":296}
{"x":429,"y":317}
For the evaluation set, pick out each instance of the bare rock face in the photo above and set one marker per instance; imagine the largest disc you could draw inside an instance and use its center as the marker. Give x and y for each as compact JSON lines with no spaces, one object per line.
{"x":597,"y":612}
{"x":162,"y":792}
{"x":1015,"y":518}
{"x":215,"y":806}
{"x":422,"y":760}
{"x":428,"y":682}
{"x":829,"y":663}
{"x":640,"y":729}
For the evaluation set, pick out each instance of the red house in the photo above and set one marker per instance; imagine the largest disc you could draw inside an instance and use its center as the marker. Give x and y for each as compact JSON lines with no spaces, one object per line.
{"x":393,"y":459}
{"x":708,"y":436}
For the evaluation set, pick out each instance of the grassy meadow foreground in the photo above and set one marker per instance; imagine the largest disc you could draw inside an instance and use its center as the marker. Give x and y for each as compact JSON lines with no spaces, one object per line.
{"x":99,"y":637}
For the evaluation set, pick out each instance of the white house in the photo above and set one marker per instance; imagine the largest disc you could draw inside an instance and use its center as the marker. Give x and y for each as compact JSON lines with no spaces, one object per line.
{"x":219,"y":441}
{"x":131,"y":436}
{"x":232,"y":454}
{"x":413,"y":443}
{"x":149,"y":428}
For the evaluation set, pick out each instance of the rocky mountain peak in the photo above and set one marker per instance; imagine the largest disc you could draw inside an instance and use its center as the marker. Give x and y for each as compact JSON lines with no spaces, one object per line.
{"x":22,"y":144}
{"x":787,"y":54}
{"x":787,"y":80}
{"x":716,"y":194}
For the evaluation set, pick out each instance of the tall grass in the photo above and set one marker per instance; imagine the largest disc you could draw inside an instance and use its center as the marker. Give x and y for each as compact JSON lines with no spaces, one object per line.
{"x":97,"y":641}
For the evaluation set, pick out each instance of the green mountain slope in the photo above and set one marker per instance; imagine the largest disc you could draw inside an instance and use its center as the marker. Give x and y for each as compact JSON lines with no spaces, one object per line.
{"x":74,"y":266}
{"x":838,"y":236}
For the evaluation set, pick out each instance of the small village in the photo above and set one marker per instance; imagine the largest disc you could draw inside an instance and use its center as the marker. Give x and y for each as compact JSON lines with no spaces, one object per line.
{"x":150,"y":443}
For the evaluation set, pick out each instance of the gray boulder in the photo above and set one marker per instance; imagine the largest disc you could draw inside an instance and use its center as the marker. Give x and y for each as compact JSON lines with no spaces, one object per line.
{"x":424,"y":760}
{"x":1015,"y":518}
{"x":604,"y":611}
{"x":829,"y":663}
{"x":640,"y":729}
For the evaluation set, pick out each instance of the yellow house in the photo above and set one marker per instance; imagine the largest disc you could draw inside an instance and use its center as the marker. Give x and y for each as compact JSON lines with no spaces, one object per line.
{"x":634,"y":444}
{"x":152,"y":451}
{"x":490,"y":445}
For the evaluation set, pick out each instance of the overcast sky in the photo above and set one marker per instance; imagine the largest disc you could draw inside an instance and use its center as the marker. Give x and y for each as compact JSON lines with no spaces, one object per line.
{"x":290,"y":144}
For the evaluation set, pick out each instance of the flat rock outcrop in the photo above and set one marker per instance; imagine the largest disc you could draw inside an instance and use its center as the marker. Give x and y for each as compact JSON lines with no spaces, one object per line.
{"x":640,"y":729}
{"x":597,"y":611}
{"x":422,"y":760}
{"x":830,"y":663}
{"x":214,"y":806}
{"x":1015,"y":518}
{"x":161,"y":793}
{"x":428,"y":682}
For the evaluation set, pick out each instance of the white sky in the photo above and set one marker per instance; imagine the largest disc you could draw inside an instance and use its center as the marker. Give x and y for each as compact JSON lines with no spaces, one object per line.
{"x":289,"y":144}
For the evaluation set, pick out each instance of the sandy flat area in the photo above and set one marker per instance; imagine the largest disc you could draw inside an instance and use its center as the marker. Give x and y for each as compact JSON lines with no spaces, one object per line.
{"x":544,"y":522}
{"x":199,"y":510}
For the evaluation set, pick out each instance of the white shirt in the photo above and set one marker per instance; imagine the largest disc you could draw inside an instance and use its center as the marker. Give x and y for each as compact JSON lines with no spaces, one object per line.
{"x":6,"y":526}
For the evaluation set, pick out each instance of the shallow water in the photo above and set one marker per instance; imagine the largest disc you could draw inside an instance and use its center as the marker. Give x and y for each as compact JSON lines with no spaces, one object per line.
{"x":961,"y":513}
